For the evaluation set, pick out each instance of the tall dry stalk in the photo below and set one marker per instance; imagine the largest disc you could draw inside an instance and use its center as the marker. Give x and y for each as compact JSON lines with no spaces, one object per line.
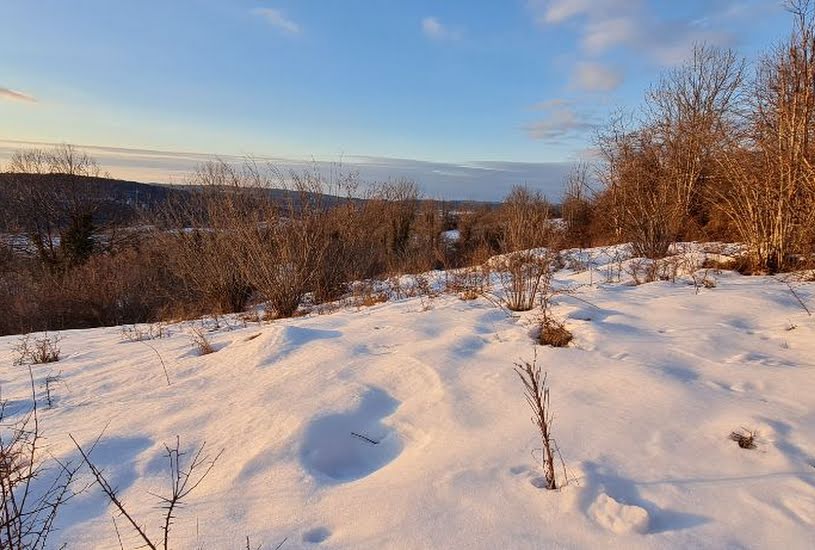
{"x":536,"y":393}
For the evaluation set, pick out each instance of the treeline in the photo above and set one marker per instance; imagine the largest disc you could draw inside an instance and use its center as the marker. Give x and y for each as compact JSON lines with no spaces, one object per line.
{"x":231,"y":239}
{"x":721,"y":149}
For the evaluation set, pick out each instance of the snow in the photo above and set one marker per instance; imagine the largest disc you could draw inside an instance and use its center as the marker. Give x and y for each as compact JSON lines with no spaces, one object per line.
{"x":617,"y":517}
{"x":403,"y":425}
{"x":451,"y":235}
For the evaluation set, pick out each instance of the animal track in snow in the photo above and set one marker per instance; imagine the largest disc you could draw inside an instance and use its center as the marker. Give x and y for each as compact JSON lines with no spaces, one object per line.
{"x":348,"y":446}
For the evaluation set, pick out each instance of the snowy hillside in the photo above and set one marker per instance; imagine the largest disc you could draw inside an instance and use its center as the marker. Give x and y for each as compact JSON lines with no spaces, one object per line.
{"x":403,"y":425}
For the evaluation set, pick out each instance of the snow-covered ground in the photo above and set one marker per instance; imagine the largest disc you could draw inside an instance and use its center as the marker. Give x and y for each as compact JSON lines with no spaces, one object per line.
{"x":657,"y":377}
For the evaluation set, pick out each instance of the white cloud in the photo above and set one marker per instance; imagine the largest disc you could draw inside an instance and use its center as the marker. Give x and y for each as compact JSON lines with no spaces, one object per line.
{"x":594,"y":77}
{"x":14,"y":95}
{"x":435,"y":29}
{"x":277,"y":19}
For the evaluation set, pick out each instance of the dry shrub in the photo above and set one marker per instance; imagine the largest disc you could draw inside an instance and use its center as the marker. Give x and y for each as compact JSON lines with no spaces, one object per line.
{"x":770,"y":198}
{"x":578,"y":208}
{"x":200,"y":235}
{"x":522,"y":275}
{"x":468,"y":283}
{"x":745,"y":438}
{"x":201,"y":342}
{"x":554,"y":333}
{"x":140,"y":333}
{"x":37,"y":350}
{"x":366,"y":294}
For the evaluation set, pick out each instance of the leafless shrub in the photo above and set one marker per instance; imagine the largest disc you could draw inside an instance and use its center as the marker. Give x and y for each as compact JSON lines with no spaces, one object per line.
{"x":702,"y":279}
{"x":521,"y":276}
{"x":468,"y":283}
{"x":537,"y":396}
{"x":184,"y":479}
{"x":254,"y":316}
{"x":366,"y":294}
{"x":33,"y":488}
{"x":745,"y":438}
{"x":201,"y":342}
{"x":37,"y":350}
{"x":140,"y":333}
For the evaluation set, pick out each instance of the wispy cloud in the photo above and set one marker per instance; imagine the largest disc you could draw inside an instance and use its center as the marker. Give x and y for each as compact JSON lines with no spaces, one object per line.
{"x":562,"y":122}
{"x":277,"y":19}
{"x":595,"y":77}
{"x":550,"y":103}
{"x":636,"y":25}
{"x":435,"y":29}
{"x":14,"y":95}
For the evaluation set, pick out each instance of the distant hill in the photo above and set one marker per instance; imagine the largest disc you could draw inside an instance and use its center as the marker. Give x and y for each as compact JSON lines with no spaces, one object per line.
{"x":122,"y":200}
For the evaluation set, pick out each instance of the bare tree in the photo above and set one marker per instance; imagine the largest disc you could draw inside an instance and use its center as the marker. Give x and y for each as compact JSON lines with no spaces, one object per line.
{"x":694,"y":112}
{"x":771,"y":196}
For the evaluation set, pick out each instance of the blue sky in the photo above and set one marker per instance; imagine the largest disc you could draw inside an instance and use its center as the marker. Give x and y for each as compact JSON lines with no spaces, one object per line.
{"x":516,"y":83}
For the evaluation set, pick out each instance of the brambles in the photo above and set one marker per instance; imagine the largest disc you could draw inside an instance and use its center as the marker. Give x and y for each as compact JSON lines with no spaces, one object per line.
{"x":33,"y":487}
{"x":184,"y":479}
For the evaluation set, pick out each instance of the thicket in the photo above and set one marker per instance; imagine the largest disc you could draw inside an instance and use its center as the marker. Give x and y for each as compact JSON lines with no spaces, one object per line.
{"x":721,"y":149}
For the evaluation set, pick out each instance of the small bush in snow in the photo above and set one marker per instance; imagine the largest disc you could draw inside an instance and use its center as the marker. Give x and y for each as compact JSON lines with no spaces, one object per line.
{"x":34,"y":351}
{"x":554,"y":333}
{"x":201,"y":342}
{"x":745,"y":438}
{"x":522,"y":276}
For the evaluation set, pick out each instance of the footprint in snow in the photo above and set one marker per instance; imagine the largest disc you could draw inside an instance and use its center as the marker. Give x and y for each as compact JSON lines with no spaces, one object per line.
{"x":316,"y":535}
{"x":351,"y":445}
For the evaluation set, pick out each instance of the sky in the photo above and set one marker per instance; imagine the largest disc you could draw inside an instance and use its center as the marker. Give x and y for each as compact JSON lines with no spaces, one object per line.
{"x":467,"y":97}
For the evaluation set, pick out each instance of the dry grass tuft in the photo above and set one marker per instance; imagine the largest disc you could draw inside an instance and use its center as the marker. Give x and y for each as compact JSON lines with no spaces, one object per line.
{"x":555,"y":334}
{"x":201,"y":342}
